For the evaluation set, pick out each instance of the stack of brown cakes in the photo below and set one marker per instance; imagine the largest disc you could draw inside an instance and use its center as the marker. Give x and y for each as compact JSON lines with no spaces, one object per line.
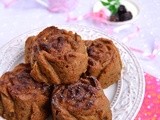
{"x":64,"y":74}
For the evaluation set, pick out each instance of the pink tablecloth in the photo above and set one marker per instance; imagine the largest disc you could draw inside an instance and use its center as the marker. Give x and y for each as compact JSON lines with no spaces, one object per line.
{"x":150,"y":109}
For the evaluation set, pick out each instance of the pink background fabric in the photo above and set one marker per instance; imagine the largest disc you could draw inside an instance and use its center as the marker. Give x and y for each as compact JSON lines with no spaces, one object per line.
{"x":150,"y":109}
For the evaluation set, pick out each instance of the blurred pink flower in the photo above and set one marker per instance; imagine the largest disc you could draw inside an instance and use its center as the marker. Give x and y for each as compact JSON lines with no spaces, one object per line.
{"x":7,"y":3}
{"x":61,"y":5}
{"x":58,"y":5}
{"x":100,"y":16}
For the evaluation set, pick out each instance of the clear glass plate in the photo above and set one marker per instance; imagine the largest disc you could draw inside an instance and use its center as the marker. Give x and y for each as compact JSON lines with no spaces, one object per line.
{"x":125,"y":97}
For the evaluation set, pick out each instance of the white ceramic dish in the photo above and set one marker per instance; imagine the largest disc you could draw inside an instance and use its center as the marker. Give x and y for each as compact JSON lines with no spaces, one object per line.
{"x":130,"y":6}
{"x":125,"y":97}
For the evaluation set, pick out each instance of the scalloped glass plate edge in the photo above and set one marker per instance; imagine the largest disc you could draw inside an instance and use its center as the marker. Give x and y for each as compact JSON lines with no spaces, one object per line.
{"x":128,"y":96}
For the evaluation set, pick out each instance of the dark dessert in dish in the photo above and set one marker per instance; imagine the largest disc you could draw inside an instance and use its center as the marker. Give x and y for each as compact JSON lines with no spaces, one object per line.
{"x":121,"y":15}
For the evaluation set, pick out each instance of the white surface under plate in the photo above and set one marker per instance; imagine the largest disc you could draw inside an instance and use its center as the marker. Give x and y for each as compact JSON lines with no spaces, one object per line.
{"x":125,"y":97}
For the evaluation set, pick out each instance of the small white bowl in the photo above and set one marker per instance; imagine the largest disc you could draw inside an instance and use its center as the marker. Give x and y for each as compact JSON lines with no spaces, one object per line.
{"x":130,"y":6}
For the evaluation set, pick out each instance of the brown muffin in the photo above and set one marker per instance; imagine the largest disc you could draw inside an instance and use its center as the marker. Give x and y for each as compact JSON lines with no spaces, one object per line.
{"x":21,"y":98}
{"x":104,"y":61}
{"x":28,"y":48}
{"x":57,"y":56}
{"x":83,"y":100}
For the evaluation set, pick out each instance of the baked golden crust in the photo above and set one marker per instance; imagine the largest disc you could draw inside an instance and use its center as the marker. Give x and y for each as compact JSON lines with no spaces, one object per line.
{"x":104,"y":61}
{"x":28,"y":48}
{"x":83,"y":100}
{"x":21,"y":98}
{"x":58,"y":56}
